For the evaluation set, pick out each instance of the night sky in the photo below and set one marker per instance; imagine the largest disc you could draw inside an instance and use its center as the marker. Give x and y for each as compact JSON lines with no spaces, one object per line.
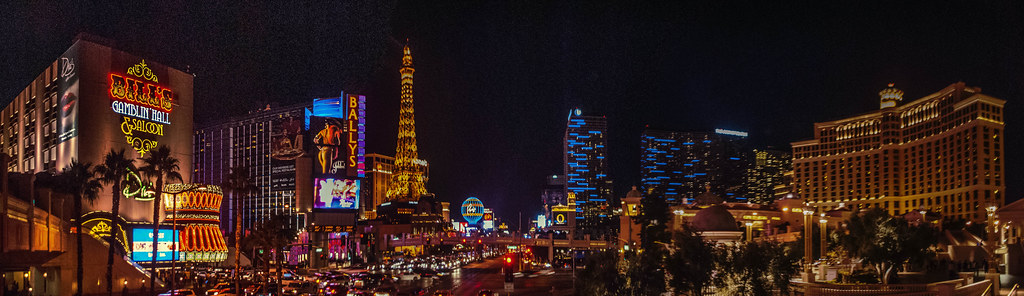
{"x":495,"y":81}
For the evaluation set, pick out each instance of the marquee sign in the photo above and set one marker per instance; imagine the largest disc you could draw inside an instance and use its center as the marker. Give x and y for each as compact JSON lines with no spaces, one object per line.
{"x":144,"y":106}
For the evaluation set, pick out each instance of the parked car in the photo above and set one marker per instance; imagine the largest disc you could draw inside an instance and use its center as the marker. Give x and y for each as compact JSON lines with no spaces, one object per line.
{"x":179,"y":292}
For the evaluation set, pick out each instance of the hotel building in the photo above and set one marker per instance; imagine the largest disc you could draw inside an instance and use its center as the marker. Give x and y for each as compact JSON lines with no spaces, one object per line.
{"x":942,"y":153}
{"x":682,"y":165}
{"x":92,"y":99}
{"x":586,"y":171}
{"x":248,"y":142}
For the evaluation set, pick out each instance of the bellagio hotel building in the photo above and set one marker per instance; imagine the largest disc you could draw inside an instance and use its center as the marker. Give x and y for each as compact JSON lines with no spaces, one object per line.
{"x":941,"y":153}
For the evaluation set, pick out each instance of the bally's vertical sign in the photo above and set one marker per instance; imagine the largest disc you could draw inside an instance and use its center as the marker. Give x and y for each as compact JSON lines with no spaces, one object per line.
{"x":142,"y":104}
{"x":355,"y":135}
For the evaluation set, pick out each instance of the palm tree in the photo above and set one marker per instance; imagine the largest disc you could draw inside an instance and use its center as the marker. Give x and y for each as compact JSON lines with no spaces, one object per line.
{"x":159,"y":165}
{"x":238,"y":185}
{"x":79,"y":181}
{"x":115,"y":168}
{"x":272,"y":234}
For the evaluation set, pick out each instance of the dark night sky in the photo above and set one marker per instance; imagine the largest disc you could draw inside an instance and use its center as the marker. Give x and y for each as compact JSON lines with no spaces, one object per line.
{"x":495,"y":80}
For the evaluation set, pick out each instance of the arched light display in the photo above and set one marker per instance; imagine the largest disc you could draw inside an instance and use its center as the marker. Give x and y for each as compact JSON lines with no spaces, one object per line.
{"x":472,"y":210}
{"x":196,"y":213}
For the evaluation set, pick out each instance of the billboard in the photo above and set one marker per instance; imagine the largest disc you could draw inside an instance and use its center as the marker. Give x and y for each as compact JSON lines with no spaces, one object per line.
{"x":68,"y":99}
{"x":142,"y":244}
{"x":286,"y":138}
{"x":327,"y":142}
{"x":330,"y":193}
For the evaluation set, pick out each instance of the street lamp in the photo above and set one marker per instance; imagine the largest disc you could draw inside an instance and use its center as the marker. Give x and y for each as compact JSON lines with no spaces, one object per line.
{"x":750,"y":226}
{"x":174,"y":226}
{"x":808,"y":246}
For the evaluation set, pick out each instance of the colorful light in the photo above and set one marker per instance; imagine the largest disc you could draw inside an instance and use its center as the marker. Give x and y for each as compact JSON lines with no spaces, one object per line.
{"x":407,"y":181}
{"x":472,"y":210}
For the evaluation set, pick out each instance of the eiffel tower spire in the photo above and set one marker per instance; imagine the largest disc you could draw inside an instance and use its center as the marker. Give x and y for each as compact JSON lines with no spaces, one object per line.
{"x":407,"y":179}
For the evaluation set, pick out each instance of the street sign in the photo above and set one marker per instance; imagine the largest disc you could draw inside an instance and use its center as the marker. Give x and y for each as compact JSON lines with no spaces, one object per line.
{"x":509,"y":287}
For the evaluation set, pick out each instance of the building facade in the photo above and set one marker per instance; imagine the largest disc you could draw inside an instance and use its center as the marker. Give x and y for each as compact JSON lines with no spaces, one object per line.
{"x":766,"y":171}
{"x":94,"y":99}
{"x":681,"y":165}
{"x":943,"y":153}
{"x":379,"y":169}
{"x":586,"y":171}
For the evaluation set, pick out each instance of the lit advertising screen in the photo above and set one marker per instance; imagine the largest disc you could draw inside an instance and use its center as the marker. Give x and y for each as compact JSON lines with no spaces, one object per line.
{"x":329,"y":152}
{"x":142,"y":244}
{"x":336,"y":194}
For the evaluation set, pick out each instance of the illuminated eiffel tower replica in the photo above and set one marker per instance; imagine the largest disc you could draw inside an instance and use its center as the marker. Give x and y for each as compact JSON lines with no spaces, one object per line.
{"x":407,"y":178}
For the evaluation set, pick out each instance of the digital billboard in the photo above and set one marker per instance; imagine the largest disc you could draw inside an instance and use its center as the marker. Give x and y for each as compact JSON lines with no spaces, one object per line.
{"x":67,"y":96}
{"x":286,"y":139}
{"x":330,"y":151}
{"x":142,"y":244}
{"x":330,"y":193}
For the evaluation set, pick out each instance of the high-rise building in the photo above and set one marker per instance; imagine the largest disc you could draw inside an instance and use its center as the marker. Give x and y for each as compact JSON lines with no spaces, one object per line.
{"x":942,"y":153}
{"x":586,"y":172}
{"x":94,"y":99}
{"x":267,"y":143}
{"x":681,"y":165}
{"x":765,"y":172}
{"x":407,"y":182}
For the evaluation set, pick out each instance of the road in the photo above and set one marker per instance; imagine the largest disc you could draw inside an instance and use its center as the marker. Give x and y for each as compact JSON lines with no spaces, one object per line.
{"x":469,"y":280}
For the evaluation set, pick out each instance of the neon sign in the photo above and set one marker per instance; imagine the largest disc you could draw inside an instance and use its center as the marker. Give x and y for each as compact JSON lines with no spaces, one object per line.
{"x":355,"y":135}
{"x":730,"y":132}
{"x":135,"y":189}
{"x":145,"y":107}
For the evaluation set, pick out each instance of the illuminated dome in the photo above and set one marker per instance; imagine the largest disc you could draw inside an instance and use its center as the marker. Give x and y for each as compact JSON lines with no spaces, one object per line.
{"x":195,"y":210}
{"x":714,"y":218}
{"x":472,"y":210}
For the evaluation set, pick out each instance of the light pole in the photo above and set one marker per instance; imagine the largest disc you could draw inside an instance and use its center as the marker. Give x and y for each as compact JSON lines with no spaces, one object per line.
{"x":750,"y":232}
{"x":824,"y":228}
{"x":808,"y":246}
{"x":174,"y":227}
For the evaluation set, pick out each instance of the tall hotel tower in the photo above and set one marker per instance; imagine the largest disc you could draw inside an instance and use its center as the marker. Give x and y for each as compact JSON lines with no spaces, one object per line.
{"x":681,"y":165}
{"x":407,"y":183}
{"x":586,"y":171}
{"x":941,"y":153}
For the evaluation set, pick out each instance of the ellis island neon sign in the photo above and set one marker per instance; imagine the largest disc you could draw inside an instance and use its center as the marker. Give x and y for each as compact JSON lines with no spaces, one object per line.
{"x":144,"y":106}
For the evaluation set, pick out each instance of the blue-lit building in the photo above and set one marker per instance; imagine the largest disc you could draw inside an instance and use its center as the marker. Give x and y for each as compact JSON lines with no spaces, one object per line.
{"x":586,"y":173}
{"x":681,"y":165}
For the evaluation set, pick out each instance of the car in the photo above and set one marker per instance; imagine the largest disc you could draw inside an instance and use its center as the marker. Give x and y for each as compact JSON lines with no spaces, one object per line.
{"x":299,"y":288}
{"x":409,"y":276}
{"x":179,"y":292}
{"x":443,"y":292}
{"x":334,"y":289}
{"x":219,"y":289}
{"x":486,"y":292}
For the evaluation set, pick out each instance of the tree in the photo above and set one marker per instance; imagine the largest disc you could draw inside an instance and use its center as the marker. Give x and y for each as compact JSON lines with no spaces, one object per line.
{"x":159,"y":165}
{"x":272,"y":235}
{"x":643,"y":268}
{"x":238,"y":185}
{"x":886,"y":242}
{"x":757,"y":268}
{"x":691,"y":263}
{"x":113,"y":171}
{"x":79,"y":181}
{"x":601,"y":275}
